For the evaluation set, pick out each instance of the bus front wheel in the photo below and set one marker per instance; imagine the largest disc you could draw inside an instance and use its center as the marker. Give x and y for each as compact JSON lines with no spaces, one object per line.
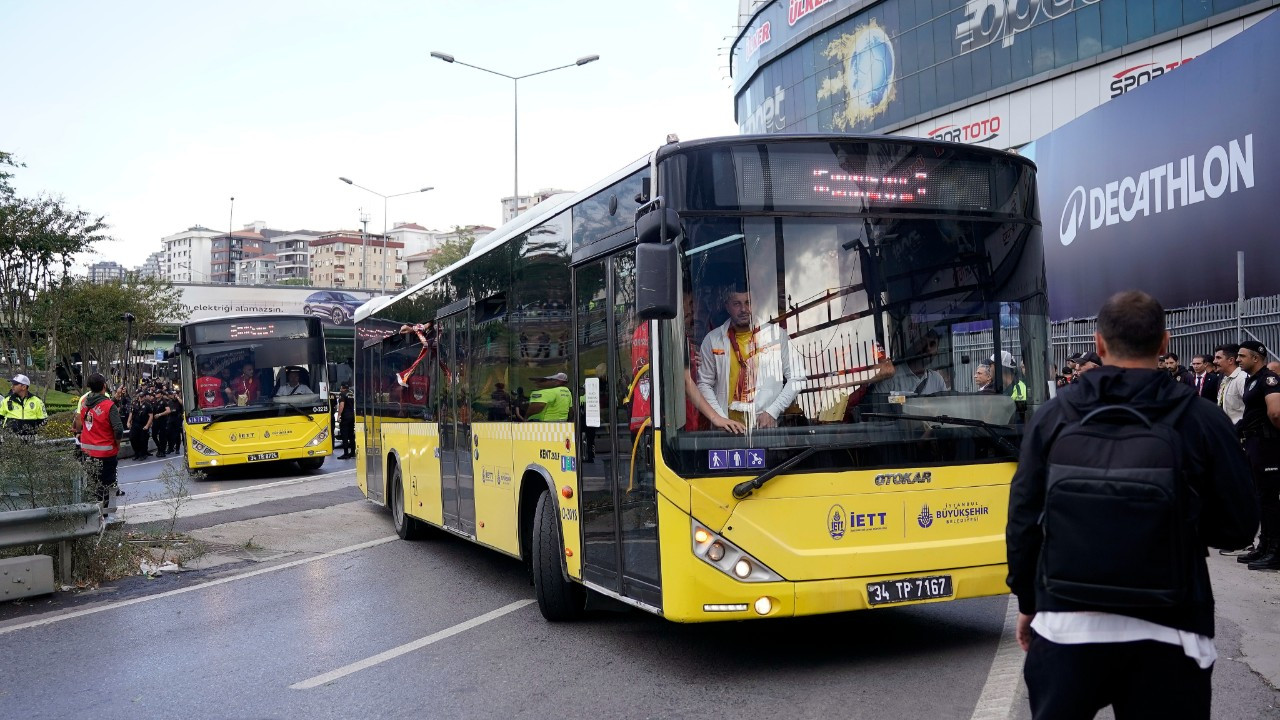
{"x":559,"y":598}
{"x":311,"y":463}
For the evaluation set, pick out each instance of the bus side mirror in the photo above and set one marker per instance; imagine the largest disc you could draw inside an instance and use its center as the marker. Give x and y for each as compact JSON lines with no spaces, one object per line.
{"x":657,"y":280}
{"x":656,"y":226}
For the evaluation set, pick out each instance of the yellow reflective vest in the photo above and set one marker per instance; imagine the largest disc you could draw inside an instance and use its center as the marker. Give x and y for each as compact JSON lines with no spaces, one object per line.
{"x":22,"y":415}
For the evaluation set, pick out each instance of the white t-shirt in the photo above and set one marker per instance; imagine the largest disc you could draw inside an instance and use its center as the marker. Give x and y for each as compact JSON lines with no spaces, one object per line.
{"x":1078,"y":628}
{"x":285,"y":390}
{"x":905,"y":381}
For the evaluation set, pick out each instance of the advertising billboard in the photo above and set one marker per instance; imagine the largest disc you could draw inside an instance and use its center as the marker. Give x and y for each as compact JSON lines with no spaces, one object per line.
{"x":803,"y":66}
{"x":1158,"y":188}
{"x":335,"y":306}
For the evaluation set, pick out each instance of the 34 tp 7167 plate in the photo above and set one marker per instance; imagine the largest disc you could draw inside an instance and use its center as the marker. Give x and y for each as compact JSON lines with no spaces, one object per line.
{"x":908,"y":589}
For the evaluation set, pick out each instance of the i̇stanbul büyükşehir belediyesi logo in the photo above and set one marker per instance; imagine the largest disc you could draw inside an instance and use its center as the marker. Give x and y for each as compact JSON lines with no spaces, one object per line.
{"x":866,"y":75}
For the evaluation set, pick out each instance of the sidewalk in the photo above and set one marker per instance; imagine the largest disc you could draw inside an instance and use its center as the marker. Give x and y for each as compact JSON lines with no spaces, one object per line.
{"x":1250,"y":599}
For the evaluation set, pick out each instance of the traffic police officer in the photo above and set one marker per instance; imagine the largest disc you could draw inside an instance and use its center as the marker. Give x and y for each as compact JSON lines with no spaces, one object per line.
{"x":1260,"y":431}
{"x":22,"y":411}
{"x":552,"y":401}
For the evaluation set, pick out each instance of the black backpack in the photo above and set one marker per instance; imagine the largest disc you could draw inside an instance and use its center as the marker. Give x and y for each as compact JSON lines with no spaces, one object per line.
{"x":1119,"y":518}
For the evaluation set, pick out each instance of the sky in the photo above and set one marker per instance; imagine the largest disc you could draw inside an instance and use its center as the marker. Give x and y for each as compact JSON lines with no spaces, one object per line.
{"x":155,"y":114}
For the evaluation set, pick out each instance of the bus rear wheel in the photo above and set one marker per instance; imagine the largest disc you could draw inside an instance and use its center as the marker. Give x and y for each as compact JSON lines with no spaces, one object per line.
{"x":407,"y":528}
{"x":311,"y":463}
{"x":559,"y":598}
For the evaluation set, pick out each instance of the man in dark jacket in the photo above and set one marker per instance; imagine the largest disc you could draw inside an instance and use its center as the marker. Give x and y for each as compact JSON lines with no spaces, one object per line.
{"x":1171,"y":363}
{"x":1144,"y":661}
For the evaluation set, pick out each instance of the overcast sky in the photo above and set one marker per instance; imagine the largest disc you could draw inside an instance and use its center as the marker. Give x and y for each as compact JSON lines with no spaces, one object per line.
{"x":156,"y":113}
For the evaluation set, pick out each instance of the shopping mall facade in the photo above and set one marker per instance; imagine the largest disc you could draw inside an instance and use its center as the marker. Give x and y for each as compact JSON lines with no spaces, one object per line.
{"x":998,"y":73}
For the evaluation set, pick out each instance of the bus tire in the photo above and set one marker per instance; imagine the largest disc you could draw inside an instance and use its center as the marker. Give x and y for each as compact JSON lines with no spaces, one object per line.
{"x":311,"y":463}
{"x":407,"y":528}
{"x":559,"y":598}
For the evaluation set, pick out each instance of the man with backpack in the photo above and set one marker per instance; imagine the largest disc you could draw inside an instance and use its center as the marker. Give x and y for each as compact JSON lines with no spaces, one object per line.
{"x":1124,"y":479}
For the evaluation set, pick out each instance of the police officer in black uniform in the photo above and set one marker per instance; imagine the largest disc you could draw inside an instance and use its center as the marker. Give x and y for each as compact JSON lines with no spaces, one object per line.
{"x":140,"y":416}
{"x":1260,"y":432}
{"x":347,"y":422}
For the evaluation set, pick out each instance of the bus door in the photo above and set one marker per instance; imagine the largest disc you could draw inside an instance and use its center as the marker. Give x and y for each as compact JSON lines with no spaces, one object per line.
{"x":457,"y":481}
{"x":615,"y":455}
{"x":370,"y":399}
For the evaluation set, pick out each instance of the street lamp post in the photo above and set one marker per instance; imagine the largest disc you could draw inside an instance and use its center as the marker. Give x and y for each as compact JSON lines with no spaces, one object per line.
{"x":385,"y":248}
{"x":515,"y":107}
{"x":128,"y":319}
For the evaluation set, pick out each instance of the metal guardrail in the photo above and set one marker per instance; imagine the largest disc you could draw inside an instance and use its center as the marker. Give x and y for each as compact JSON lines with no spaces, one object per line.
{"x":51,"y":524}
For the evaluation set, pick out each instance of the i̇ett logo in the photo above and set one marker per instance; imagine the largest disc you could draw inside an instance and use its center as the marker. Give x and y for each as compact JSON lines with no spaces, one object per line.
{"x":1072,"y":215}
{"x":835,"y":522}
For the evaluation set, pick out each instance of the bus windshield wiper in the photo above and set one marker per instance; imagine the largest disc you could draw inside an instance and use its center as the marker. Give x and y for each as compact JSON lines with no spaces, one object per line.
{"x":746,"y":487}
{"x":991,"y":428}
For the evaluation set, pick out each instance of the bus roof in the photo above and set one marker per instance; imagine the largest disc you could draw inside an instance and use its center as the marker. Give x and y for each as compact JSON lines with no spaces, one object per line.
{"x":674,"y":148}
{"x":517,"y":226}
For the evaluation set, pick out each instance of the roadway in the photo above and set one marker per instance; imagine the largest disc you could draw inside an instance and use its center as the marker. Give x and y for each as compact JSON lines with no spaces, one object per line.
{"x":333,"y":617}
{"x":142,"y":480}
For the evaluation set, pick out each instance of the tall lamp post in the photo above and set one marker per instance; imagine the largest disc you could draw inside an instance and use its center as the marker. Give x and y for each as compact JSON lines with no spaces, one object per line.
{"x":515,"y":108}
{"x":385,"y":248}
{"x":128,"y":319}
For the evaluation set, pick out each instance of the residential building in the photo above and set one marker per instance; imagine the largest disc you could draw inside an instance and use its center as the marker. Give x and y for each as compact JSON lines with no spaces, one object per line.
{"x":259,"y":270}
{"x":106,"y":271}
{"x":513,"y":206}
{"x":416,"y":239}
{"x":186,"y":255}
{"x":293,"y":253}
{"x":341,"y":260}
{"x":227,"y":251}
{"x":153,"y":267}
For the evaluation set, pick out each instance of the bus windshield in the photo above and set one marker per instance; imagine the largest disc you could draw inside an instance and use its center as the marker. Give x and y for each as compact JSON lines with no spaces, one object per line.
{"x":862,"y":333}
{"x":246,"y":375}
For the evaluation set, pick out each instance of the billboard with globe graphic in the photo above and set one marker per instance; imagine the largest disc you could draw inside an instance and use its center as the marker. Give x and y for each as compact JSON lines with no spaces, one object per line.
{"x":812,"y":66}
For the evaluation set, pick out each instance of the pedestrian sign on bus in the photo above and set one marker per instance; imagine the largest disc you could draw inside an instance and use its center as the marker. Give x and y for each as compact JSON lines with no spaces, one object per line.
{"x":751,"y":458}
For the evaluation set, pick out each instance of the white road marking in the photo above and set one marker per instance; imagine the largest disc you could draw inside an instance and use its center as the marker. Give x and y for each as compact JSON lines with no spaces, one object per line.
{"x":247,"y":488}
{"x":1001,"y":688}
{"x":192,"y":588}
{"x":396,"y":652}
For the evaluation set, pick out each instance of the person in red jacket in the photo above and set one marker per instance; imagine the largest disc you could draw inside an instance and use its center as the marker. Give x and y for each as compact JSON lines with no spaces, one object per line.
{"x":100,"y":428}
{"x":209,"y":389}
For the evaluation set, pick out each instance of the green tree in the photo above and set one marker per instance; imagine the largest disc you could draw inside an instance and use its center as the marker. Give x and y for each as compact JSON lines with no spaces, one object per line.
{"x":6,"y":160}
{"x":39,"y":238}
{"x":86,"y":317}
{"x":453,"y":250}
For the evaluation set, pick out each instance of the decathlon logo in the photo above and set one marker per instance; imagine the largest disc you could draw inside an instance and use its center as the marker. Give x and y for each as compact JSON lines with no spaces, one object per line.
{"x":1223,"y":170}
{"x":1072,"y":214}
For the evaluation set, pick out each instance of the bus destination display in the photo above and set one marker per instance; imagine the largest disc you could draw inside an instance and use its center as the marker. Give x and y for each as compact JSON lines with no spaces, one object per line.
{"x":238,"y":330}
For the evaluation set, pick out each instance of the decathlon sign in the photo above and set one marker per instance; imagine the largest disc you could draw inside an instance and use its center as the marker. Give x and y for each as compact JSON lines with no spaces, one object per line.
{"x":1163,"y":188}
{"x":1150,"y":191}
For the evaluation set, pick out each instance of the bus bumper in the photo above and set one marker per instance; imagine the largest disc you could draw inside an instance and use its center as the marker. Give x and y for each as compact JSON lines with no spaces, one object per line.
{"x":695,"y":591}
{"x":197,"y":461}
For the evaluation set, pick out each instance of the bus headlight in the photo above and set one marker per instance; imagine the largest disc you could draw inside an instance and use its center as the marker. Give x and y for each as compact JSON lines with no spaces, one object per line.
{"x":202,"y":448}
{"x":324,"y":434}
{"x":729,"y":558}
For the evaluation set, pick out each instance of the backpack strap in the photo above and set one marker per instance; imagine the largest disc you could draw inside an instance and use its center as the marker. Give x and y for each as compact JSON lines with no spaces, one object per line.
{"x":1116,"y":410}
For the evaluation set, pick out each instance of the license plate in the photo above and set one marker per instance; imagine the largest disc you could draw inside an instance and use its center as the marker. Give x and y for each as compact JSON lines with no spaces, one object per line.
{"x":264,"y":456}
{"x":908,"y":589}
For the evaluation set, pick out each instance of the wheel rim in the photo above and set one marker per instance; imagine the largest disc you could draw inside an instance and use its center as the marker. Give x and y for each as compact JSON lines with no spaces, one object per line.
{"x":338,"y":316}
{"x":397,"y":505}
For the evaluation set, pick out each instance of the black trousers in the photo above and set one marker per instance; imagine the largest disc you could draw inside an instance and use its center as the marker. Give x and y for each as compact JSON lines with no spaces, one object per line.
{"x":347,"y":433}
{"x":138,"y":440}
{"x":102,"y":472}
{"x":1264,"y":460}
{"x":1143,"y":679}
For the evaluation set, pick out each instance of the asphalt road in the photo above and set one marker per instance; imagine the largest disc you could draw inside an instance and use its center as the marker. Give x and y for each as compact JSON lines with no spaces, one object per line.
{"x":142,"y":480}
{"x":369,"y":626}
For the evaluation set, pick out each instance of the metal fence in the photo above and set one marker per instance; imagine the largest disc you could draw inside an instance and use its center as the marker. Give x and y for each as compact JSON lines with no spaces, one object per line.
{"x":1193,"y":330}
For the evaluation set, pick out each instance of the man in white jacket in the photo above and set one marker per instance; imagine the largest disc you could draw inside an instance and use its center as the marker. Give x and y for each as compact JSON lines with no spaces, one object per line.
{"x":748,"y":374}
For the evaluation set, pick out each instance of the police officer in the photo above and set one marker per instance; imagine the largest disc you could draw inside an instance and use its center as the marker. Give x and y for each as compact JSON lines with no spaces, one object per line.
{"x":552,"y":401}
{"x":1259,"y":430}
{"x":140,"y":416}
{"x":175,"y":423}
{"x":22,"y":411}
{"x":347,"y":421}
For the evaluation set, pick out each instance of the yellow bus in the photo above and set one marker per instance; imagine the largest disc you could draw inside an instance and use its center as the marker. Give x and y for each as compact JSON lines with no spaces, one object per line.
{"x":749,"y":377}
{"x":255,"y":389}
